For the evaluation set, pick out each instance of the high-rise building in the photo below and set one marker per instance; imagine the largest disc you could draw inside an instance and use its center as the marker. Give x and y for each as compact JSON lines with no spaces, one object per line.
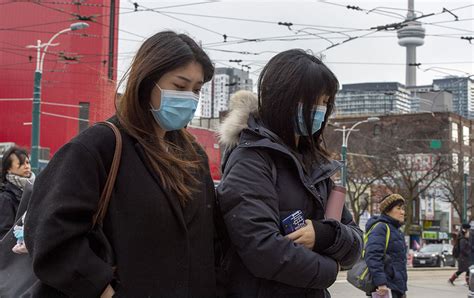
{"x":373,"y":99}
{"x":215,"y":94}
{"x":238,"y":79}
{"x":434,"y":101}
{"x":462,"y":89}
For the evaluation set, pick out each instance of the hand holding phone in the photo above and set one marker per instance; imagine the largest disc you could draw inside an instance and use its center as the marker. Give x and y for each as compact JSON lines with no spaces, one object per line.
{"x":305,"y":235}
{"x":293,"y":222}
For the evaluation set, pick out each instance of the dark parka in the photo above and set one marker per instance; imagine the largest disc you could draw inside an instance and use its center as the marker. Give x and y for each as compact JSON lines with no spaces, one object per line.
{"x":263,"y":182}
{"x":161,"y":249}
{"x":464,"y":254}
{"x":393,"y":273}
{"x":10,"y":197}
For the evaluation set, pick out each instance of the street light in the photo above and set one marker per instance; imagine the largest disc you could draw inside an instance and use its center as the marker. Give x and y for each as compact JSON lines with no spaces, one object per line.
{"x":465,"y":195}
{"x":345,"y":138}
{"x":35,"y":127}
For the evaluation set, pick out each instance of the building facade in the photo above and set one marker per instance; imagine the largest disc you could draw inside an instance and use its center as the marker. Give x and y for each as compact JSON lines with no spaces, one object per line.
{"x":462,"y":89}
{"x":215,"y":94}
{"x":418,"y":139}
{"x":373,"y":99}
{"x":79,"y":72}
{"x":431,"y":100}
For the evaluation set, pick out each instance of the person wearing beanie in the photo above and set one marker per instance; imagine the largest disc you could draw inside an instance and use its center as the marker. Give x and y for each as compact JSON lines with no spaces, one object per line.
{"x":463,"y":246}
{"x":387,"y":263}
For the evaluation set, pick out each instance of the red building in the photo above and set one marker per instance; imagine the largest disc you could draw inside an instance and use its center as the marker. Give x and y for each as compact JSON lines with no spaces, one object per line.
{"x":208,"y":140}
{"x":79,"y":74}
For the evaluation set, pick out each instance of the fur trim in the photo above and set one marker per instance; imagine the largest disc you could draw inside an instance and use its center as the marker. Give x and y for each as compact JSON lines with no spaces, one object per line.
{"x":387,"y":201}
{"x":241,"y":105}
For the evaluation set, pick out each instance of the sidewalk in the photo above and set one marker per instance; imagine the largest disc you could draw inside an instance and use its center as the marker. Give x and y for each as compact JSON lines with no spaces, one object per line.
{"x":343,"y":274}
{"x":432,"y":269}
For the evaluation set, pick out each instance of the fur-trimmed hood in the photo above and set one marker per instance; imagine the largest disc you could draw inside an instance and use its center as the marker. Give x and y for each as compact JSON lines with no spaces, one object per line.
{"x":241,"y":105}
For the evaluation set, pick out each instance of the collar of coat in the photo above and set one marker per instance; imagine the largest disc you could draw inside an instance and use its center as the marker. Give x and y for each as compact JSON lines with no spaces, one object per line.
{"x":241,"y":129}
{"x":383,"y":218}
{"x":13,"y":189}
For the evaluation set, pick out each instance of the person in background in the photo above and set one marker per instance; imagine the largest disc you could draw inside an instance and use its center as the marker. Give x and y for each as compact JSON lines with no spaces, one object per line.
{"x":275,"y":164}
{"x":160,"y":221}
{"x":463,"y":246}
{"x":16,"y":174}
{"x":388,"y":270}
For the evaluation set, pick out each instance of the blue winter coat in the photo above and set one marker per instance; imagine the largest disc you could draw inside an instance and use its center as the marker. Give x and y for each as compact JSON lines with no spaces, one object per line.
{"x":394,"y":272}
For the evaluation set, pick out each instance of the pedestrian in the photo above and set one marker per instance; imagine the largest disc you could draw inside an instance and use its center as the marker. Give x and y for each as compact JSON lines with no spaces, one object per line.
{"x":16,"y":174}
{"x":275,"y":164}
{"x":160,"y":218}
{"x":463,"y":246}
{"x":388,"y":263}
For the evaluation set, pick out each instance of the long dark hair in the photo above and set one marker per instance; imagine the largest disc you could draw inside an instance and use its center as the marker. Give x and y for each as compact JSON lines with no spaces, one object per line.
{"x":158,"y":55}
{"x":22,"y":155}
{"x":289,"y":78}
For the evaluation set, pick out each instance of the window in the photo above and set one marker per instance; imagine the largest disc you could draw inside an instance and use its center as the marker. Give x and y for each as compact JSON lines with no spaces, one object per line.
{"x":454,"y":132}
{"x":455,"y":162}
{"x":465,"y":135}
{"x":83,"y":116}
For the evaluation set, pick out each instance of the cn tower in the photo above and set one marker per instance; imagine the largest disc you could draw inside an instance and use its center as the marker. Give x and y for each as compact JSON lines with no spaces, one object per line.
{"x":411,"y":36}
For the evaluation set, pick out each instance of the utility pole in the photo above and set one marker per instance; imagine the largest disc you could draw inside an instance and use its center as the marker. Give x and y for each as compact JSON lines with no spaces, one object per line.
{"x":344,"y":157}
{"x":212,"y":104}
{"x":110,"y":72}
{"x":35,"y":121}
{"x":464,"y":201}
{"x":345,"y":139}
{"x":35,"y":117}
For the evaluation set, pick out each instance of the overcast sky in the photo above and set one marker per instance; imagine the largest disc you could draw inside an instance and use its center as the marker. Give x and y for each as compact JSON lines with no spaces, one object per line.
{"x":373,"y":58}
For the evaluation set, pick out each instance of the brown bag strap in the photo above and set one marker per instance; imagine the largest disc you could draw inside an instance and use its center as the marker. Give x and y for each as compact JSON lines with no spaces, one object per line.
{"x":109,"y":184}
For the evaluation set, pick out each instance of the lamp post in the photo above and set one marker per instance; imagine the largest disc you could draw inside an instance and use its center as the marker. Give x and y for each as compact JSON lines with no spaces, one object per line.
{"x":464,"y":201}
{"x":345,"y":139}
{"x":35,"y":127}
{"x":465,"y":194}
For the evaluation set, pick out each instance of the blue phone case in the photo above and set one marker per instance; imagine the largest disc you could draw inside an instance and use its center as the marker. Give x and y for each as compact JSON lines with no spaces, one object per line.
{"x":293,"y":222}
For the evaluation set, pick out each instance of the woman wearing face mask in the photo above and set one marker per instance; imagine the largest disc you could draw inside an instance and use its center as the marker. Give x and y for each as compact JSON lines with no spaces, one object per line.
{"x":387,"y":262}
{"x":274,"y":165}
{"x":16,"y":174}
{"x":160,"y":218}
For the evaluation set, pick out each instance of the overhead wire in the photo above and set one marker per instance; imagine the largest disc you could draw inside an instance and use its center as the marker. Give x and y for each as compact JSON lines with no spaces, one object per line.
{"x":35,"y":25}
{"x":133,"y":10}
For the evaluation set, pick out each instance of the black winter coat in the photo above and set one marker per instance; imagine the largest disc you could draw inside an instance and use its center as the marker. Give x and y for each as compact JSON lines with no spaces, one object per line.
{"x":161,"y":249}
{"x":263,"y":182}
{"x":465,"y":254}
{"x":392,"y":273}
{"x":10,"y":197}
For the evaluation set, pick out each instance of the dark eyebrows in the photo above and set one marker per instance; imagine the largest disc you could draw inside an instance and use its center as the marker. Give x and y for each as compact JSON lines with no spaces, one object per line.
{"x":188,"y":80}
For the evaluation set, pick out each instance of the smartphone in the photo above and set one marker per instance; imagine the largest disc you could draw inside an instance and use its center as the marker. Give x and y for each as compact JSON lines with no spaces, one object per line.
{"x":293,"y":222}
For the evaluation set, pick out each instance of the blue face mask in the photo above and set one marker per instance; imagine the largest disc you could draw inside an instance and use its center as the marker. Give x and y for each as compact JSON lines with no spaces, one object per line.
{"x":318,"y":118}
{"x":176,"y":110}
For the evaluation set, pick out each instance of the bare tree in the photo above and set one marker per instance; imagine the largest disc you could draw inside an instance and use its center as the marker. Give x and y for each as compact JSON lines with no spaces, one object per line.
{"x":453,"y":186}
{"x":360,"y":179}
{"x":409,"y":165}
